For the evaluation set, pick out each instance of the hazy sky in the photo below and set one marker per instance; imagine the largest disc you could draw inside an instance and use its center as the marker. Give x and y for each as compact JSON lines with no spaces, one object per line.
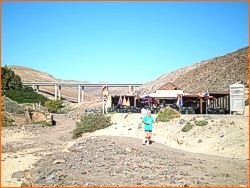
{"x":121,"y":41}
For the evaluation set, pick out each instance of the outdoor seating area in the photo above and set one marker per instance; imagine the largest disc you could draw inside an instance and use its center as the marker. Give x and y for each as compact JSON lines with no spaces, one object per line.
{"x":131,"y":109}
{"x":125,"y":109}
{"x":216,"y":111}
{"x":187,"y":110}
{"x":171,"y":96}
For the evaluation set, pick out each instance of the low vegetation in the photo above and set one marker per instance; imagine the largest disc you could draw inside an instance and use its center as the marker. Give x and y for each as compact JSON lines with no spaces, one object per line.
{"x":166,"y":114}
{"x":53,"y":105}
{"x":6,"y":122}
{"x":12,"y":106}
{"x":25,"y":95}
{"x":91,"y":123}
{"x":188,"y":126}
{"x":201,"y":123}
{"x":42,"y":123}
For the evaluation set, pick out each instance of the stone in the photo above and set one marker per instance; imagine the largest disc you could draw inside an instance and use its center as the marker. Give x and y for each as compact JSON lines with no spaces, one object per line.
{"x":19,"y":174}
{"x":200,"y":141}
{"x":128,"y":150}
{"x":51,"y":176}
{"x":26,"y":183}
{"x":59,"y":161}
{"x":182,"y":121}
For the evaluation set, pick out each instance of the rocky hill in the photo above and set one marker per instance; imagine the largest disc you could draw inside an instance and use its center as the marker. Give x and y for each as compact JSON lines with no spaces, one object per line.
{"x":32,"y":75}
{"x":216,"y":74}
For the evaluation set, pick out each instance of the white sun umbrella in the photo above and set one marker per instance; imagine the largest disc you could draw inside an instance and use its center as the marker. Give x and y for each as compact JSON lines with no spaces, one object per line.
{"x":128,"y":102}
{"x":124,"y":101}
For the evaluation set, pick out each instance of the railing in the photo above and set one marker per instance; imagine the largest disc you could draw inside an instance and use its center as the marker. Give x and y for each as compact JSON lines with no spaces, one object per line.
{"x":80,"y":84}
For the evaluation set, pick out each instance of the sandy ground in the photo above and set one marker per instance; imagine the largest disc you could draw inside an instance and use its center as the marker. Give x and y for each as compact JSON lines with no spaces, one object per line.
{"x":23,"y":146}
{"x":225,"y":135}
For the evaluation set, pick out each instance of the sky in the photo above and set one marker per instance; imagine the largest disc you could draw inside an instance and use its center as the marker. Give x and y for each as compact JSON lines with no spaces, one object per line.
{"x":119,"y":42}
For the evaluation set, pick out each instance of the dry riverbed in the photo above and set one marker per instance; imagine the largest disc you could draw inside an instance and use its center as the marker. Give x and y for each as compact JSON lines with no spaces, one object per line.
{"x":213,"y":155}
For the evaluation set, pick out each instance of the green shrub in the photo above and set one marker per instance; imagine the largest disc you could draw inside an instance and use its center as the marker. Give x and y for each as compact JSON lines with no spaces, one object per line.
{"x":42,"y":123}
{"x":166,"y":114}
{"x":6,"y":122}
{"x":53,"y":105}
{"x":25,"y":95}
{"x":201,"y":123}
{"x":91,"y":123}
{"x":187,"y":127}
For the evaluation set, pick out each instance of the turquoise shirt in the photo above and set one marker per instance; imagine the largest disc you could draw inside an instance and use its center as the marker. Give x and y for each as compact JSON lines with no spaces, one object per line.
{"x":147,"y":119}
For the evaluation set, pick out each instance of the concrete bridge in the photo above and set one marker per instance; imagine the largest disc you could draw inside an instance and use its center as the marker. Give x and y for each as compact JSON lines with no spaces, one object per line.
{"x":81,"y":86}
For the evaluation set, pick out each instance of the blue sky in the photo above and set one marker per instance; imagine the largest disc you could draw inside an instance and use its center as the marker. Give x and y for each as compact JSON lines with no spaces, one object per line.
{"x":119,"y":41}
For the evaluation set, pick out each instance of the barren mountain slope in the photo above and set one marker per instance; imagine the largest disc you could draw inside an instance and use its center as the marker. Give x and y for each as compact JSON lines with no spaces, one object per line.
{"x":216,"y":74}
{"x":32,"y":75}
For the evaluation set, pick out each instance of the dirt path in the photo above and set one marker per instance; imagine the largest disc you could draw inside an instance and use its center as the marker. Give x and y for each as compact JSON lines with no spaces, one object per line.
{"x":23,"y":146}
{"x":119,"y":158}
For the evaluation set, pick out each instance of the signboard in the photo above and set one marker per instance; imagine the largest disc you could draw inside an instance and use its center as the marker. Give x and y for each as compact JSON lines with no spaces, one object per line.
{"x":237,"y":101}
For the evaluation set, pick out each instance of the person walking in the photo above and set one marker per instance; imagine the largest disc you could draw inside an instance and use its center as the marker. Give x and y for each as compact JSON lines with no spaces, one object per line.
{"x":148,"y":121}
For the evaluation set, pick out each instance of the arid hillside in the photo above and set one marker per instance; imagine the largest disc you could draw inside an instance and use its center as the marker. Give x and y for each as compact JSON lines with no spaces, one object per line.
{"x":32,"y":75}
{"x":69,"y":93}
{"x":215,"y":74}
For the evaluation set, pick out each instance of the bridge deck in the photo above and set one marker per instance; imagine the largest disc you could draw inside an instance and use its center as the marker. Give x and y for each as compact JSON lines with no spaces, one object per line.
{"x":80,"y":84}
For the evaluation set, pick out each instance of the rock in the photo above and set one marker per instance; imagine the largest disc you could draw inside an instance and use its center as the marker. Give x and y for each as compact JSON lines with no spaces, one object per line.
{"x":28,"y":179}
{"x":19,"y":174}
{"x":200,"y":141}
{"x":27,"y":117}
{"x":129,"y":129}
{"x":80,"y":147}
{"x":51,"y":176}
{"x":179,"y":141}
{"x":182,"y":121}
{"x":26,"y":183}
{"x":128,"y":150}
{"x":59,"y":161}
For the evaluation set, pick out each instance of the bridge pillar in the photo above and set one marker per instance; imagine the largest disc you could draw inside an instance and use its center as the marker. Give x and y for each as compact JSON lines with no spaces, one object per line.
{"x":33,"y":86}
{"x":79,"y":93}
{"x":37,"y":88}
{"x":82,"y":93}
{"x":59,"y":92}
{"x":55,"y":91}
